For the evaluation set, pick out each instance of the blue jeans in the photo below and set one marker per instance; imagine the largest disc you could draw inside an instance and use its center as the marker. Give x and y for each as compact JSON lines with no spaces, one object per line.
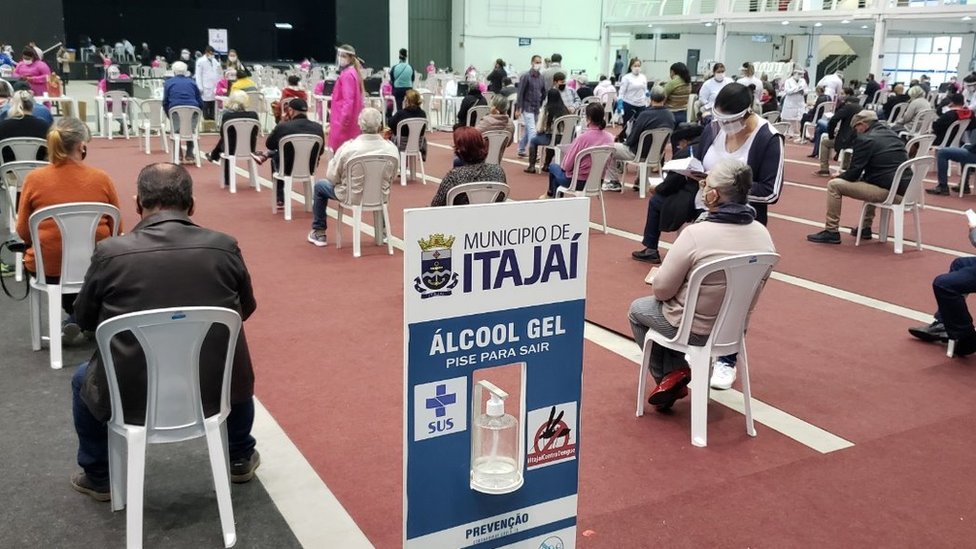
{"x":942,"y":158}
{"x":950,"y":291}
{"x":528,"y":124}
{"x":538,"y":140}
{"x":680,"y":117}
{"x":324,"y":190}
{"x":821,"y":129}
{"x":93,"y":434}
{"x":558,"y":178}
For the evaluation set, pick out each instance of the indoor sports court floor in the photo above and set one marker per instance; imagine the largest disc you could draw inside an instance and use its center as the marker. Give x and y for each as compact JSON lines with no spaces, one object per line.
{"x":864,"y":434}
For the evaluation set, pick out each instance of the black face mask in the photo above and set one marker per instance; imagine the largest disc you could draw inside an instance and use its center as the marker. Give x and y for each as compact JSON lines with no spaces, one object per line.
{"x":562,"y":87}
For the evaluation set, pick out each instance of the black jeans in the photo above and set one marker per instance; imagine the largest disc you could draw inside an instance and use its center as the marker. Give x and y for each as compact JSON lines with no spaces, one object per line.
{"x":950,"y":291}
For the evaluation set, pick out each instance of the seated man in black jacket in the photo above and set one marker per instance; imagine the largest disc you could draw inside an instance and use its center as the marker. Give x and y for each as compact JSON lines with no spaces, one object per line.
{"x":957,"y":111}
{"x":652,"y":118}
{"x":840,"y":135}
{"x":896,"y":96}
{"x":672,"y":202}
{"x":294,"y":120}
{"x":878,"y":151}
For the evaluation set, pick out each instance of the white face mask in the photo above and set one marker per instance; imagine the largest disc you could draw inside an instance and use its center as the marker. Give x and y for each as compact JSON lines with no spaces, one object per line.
{"x":342,"y":61}
{"x":732,"y":128}
{"x":28,"y":61}
{"x":185,"y":57}
{"x":731,"y":124}
{"x":536,"y":66}
{"x":719,"y":76}
{"x":635,"y":70}
{"x":232,"y":59}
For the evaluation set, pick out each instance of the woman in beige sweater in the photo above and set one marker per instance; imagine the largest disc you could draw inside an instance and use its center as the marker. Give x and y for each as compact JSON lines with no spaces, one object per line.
{"x":727,"y":228}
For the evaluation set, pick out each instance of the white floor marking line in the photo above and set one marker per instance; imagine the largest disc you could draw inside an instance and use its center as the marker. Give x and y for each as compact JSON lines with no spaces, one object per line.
{"x":311,"y":510}
{"x":774,"y":418}
{"x":793,"y":427}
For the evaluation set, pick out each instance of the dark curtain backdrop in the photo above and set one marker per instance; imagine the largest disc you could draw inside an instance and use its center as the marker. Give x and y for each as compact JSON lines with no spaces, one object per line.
{"x":365,"y":25}
{"x":24,"y":20}
{"x":184,"y":23}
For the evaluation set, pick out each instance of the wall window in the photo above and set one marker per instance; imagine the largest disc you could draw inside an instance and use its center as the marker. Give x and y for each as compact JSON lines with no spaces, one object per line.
{"x":908,"y":58}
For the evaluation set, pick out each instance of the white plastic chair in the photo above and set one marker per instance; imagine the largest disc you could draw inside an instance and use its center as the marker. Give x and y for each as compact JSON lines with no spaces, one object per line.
{"x":119,"y":110}
{"x":563,"y":133}
{"x":896,"y":112}
{"x":771,"y":116}
{"x":243,"y":129}
{"x":498,"y":141}
{"x":189,"y":130}
{"x":782,"y":127}
{"x":476,"y":113}
{"x":953,"y":136}
{"x":411,"y":155}
{"x":12,"y":176}
{"x":921,"y":125}
{"x":427,"y":102}
{"x":24,"y":148}
{"x":151,"y":115}
{"x":654,"y":157}
{"x":910,"y":201}
{"x":810,"y":128}
{"x":368,"y":179}
{"x":77,"y":223}
{"x":257,"y":102}
{"x":171,"y":340}
{"x":920,"y":144}
{"x":745,"y":276}
{"x":609,"y":105}
{"x":599,"y":156}
{"x":479,"y":192}
{"x":304,"y":146}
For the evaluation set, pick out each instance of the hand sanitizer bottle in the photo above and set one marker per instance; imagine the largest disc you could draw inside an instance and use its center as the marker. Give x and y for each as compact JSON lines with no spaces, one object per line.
{"x":496,"y":466}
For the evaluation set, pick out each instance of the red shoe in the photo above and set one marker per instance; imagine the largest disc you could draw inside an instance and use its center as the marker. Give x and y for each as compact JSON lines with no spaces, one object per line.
{"x":672,"y":387}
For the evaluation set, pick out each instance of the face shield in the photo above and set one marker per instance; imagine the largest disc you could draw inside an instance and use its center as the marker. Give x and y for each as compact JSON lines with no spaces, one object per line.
{"x":731,"y":123}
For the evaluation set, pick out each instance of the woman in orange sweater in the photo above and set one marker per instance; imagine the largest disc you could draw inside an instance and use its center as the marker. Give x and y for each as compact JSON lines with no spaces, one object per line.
{"x":66,"y":179}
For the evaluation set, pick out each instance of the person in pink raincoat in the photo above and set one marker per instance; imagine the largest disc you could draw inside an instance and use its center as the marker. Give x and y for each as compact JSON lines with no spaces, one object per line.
{"x":34,"y":71}
{"x":347,"y":98}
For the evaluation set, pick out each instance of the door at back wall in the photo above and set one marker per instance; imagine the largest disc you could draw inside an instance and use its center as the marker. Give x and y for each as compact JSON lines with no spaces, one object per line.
{"x":429,"y":33}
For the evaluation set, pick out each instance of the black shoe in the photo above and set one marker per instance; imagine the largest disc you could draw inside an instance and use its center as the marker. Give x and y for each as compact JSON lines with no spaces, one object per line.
{"x":530,"y":169}
{"x":965,"y":346}
{"x":940,"y":191}
{"x":955,"y":188}
{"x":865,"y":233}
{"x":933,"y":332}
{"x":812,"y":155}
{"x":83,"y":484}
{"x":647,"y":255}
{"x":242,"y":470}
{"x":546,"y":168}
{"x":825,"y":237}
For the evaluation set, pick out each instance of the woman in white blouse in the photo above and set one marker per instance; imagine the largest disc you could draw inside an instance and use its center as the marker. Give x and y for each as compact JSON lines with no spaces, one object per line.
{"x":633,"y":91}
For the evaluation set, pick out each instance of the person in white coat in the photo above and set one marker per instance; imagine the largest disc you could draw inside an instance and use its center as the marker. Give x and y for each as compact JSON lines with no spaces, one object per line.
{"x":710,"y":88}
{"x":794,"y":100}
{"x":207,"y":73}
{"x":832,"y":84}
{"x":633,"y":91}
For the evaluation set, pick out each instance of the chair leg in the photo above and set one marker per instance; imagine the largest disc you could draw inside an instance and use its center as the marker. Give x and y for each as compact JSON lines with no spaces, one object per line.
{"x":163,"y":138}
{"x":386,"y":229}
{"x":54,"y":325}
{"x":918,"y":226}
{"x":699,"y":396}
{"x":196,"y":150}
{"x":125,"y":125}
{"x":232,"y":165}
{"x":252,"y":167}
{"x":117,"y":469}
{"x":642,"y":174}
{"x":308,"y":194}
{"x":176,"y":150}
{"x":18,"y":266}
{"x":860,"y":223}
{"x":108,"y":126}
{"x":743,"y":366}
{"x":951,"y":348}
{"x":357,"y":218}
{"x":339,"y":211}
{"x":642,"y":380}
{"x":35,"y":319}
{"x":288,"y":184}
{"x":148,"y":138}
{"x":603,"y":209}
{"x":135,"y":477}
{"x":883,"y":226}
{"x":219,"y":459}
{"x":403,"y":170}
{"x":899,"y":222}
{"x":423,"y":172}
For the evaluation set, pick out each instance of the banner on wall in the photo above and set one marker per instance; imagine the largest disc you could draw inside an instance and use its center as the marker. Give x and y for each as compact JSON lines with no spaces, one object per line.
{"x":217,"y":38}
{"x":494,"y":293}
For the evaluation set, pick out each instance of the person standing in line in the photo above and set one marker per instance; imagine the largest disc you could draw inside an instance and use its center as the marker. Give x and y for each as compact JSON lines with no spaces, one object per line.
{"x":794,"y":100}
{"x":35,"y":71}
{"x":531,"y":92}
{"x":347,"y":98}
{"x":496,"y":77}
{"x":618,"y":67}
{"x":207,"y":73}
{"x":401,"y":76}
{"x":633,"y":91}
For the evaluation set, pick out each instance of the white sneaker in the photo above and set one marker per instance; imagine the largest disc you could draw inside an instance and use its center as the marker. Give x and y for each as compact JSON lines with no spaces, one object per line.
{"x":318,"y":238}
{"x":723,"y":375}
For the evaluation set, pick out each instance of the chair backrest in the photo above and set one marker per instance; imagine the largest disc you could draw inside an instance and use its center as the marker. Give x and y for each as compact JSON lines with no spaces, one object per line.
{"x":655,"y":152}
{"x":479,"y":192}
{"x":476,"y":113}
{"x":489,"y":96}
{"x":23,"y":148}
{"x":862,"y":99}
{"x":599,"y":157}
{"x":771,"y":116}
{"x":243,"y":129}
{"x":745,"y":276}
{"x":821,"y":110}
{"x":879,"y":97}
{"x":511,"y":109}
{"x":896,"y":112}
{"x":782,"y":127}
{"x":171,"y":340}
{"x":305,"y":149}
{"x":920,"y":166}
{"x":151,"y":111}
{"x":368,"y":179}
{"x":119,"y":100}
{"x":256,"y":102}
{"x":953,"y":134}
{"x":497,"y":140}
{"x":12,"y":174}
{"x":426,"y":99}
{"x":417,"y":127}
{"x":564,"y":129}
{"x":828,"y":107}
{"x":923,"y":122}
{"x":77,"y":223}
{"x":919,"y":144}
{"x":185,"y":116}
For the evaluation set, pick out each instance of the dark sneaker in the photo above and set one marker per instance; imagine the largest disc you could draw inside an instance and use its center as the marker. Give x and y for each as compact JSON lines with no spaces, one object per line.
{"x":83,"y":484}
{"x":530,"y":169}
{"x":865,"y":233}
{"x":825,"y":237}
{"x":933,"y":332}
{"x":647,"y":255}
{"x":242,"y":470}
{"x":822,"y":173}
{"x":318,"y":237}
{"x":70,"y":330}
{"x":613,"y":186}
{"x":940,"y":191}
{"x":522,"y":154}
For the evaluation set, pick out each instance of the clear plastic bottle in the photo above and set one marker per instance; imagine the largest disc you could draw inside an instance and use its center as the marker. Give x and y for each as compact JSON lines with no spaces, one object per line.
{"x":495,"y":467}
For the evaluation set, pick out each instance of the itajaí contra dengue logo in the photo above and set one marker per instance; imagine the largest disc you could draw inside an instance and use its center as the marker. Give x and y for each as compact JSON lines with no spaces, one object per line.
{"x":436,"y":277}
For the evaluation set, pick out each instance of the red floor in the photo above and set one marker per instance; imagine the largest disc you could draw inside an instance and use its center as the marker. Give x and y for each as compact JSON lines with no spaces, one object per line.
{"x":327,"y":348}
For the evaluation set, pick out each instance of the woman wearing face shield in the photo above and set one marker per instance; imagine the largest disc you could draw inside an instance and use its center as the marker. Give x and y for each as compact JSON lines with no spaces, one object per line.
{"x":347,"y":98}
{"x":737,"y":132}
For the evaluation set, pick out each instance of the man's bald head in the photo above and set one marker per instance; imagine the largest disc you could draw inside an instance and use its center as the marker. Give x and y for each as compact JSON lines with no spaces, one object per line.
{"x":164,"y":186}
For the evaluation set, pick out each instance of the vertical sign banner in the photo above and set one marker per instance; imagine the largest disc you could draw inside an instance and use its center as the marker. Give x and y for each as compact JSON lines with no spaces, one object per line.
{"x":493,"y":292}
{"x":218,"y":39}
